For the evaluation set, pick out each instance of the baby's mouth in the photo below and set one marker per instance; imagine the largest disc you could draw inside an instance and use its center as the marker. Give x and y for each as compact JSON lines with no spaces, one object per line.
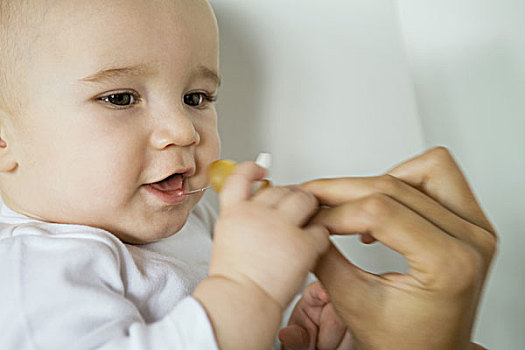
{"x":170,"y":190}
{"x":170,"y":184}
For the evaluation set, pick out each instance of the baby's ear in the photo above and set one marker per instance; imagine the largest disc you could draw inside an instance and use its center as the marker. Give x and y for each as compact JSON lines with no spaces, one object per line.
{"x":7,"y":159}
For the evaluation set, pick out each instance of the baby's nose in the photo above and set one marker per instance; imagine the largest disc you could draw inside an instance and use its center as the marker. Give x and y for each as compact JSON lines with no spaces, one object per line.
{"x":174,"y":129}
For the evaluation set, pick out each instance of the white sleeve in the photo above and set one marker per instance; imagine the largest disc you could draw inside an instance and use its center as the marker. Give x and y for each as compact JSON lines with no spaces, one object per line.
{"x":61,"y":293}
{"x":186,"y":327}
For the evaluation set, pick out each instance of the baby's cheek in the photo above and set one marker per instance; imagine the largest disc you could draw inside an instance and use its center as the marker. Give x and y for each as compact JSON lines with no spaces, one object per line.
{"x":207,"y":152}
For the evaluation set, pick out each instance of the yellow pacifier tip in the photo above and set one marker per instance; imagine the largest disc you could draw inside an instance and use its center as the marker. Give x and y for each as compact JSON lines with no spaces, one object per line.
{"x":219,"y":171}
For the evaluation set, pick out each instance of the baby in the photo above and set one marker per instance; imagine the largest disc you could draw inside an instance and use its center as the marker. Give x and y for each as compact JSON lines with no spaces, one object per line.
{"x":107,"y":118}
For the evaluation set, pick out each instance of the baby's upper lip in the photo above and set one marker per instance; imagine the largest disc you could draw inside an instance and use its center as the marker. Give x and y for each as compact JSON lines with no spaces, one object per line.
{"x":187,"y":172}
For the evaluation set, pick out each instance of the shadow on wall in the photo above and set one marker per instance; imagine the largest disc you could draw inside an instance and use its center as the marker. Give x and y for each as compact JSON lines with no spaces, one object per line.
{"x":243,"y":77}
{"x":257,"y":67}
{"x":243,"y":73}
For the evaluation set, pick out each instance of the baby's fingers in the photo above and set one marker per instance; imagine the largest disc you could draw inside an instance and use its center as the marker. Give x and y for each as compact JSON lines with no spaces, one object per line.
{"x":294,"y":337}
{"x":298,"y":206}
{"x":292,"y":203}
{"x":238,"y":185}
{"x":332,"y":330}
{"x":314,"y":296}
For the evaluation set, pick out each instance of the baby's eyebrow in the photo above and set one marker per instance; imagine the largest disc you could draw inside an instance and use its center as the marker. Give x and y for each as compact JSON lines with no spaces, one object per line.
{"x":120,"y":72}
{"x":207,"y":73}
{"x":141,"y":70}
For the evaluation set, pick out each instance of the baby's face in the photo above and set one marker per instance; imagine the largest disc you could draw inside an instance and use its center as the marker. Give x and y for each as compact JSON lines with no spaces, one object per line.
{"x":118,"y":98}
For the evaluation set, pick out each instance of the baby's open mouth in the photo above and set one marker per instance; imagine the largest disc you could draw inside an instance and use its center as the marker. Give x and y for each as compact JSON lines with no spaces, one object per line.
{"x":170,"y":190}
{"x":171,"y":183}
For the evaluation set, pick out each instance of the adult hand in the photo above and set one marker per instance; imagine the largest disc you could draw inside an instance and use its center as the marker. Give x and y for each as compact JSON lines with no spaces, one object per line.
{"x":425,"y":210}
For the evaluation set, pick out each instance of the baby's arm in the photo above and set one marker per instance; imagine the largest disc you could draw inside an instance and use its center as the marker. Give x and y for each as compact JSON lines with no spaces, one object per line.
{"x":260,"y":258}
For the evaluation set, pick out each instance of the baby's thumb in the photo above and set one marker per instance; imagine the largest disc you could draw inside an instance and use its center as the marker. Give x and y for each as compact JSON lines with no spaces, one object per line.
{"x":294,"y":337}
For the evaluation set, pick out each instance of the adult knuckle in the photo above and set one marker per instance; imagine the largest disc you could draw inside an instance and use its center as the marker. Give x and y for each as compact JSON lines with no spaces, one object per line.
{"x":495,"y":241}
{"x":488,"y":243}
{"x":441,"y":154}
{"x":377,"y":205}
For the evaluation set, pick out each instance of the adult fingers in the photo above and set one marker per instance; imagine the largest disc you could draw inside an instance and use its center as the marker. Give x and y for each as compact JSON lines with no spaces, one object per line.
{"x":337,"y":191}
{"x":437,"y":174}
{"x":391,"y":223}
{"x":437,"y":261}
{"x":344,"y":282}
{"x":238,"y":185}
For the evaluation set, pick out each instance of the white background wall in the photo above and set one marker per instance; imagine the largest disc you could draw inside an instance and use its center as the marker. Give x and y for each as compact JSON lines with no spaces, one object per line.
{"x":326,"y":87}
{"x":467,"y":59}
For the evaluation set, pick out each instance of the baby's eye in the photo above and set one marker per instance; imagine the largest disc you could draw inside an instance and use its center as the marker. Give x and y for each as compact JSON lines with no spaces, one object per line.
{"x":121,"y":99}
{"x":197,"y":99}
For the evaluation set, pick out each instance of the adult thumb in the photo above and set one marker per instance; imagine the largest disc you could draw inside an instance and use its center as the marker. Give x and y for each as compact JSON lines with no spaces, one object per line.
{"x":346,"y":284}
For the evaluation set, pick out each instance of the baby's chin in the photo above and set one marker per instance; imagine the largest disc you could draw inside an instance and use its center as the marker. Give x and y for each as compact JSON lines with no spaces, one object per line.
{"x":149,"y":234}
{"x":145,"y":226}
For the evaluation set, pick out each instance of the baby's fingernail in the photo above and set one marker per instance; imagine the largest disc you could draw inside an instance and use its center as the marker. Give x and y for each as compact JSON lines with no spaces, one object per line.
{"x":323,"y":294}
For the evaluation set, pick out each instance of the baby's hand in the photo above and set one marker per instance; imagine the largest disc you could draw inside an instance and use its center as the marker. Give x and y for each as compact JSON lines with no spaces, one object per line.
{"x":260,"y":258}
{"x":314,"y":324}
{"x":260,"y":240}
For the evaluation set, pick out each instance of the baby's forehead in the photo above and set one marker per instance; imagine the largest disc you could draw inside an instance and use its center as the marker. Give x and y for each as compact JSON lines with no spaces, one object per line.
{"x":62,"y":35}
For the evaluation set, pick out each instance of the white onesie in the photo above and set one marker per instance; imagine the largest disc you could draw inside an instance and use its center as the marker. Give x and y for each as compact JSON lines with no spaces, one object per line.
{"x":78,"y":287}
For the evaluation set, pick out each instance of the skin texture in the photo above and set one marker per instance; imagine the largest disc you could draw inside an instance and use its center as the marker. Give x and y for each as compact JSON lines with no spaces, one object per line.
{"x":425,"y":210}
{"x":69,"y":157}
